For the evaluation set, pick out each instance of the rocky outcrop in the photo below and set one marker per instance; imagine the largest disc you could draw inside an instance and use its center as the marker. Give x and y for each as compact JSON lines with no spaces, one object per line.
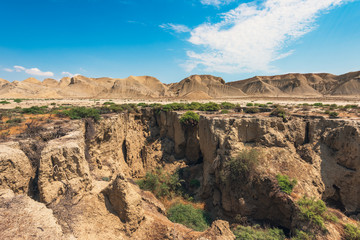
{"x":63,"y":168}
{"x":219,"y":230}
{"x":126,"y":202}
{"x":16,"y":171}
{"x":23,"y":218}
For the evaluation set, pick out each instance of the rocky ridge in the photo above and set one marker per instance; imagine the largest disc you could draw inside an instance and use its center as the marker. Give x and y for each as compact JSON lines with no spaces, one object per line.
{"x":193,"y":87}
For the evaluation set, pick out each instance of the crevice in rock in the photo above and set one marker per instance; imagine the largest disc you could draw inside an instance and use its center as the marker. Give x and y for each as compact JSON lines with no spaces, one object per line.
{"x":335,"y":200}
{"x":307,"y":130}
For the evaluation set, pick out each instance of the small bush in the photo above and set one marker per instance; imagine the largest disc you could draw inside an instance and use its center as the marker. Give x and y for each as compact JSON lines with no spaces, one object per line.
{"x":286,"y":185}
{"x":300,"y":235}
{"x":333,"y":114}
{"x":190,"y":118}
{"x":279,"y":112}
{"x":4,"y":102}
{"x":251,"y":110}
{"x":256,"y":233}
{"x":15,"y":120}
{"x":352,"y":232}
{"x":227,"y":105}
{"x":82,"y":112}
{"x":34,"y":110}
{"x":17,"y":100}
{"x":143,"y":105}
{"x":243,"y":165}
{"x":161,"y":184}
{"x":108,"y":103}
{"x":211,"y":106}
{"x":249,"y":104}
{"x":313,"y":211}
{"x":189,"y":216}
{"x":224,"y":111}
{"x":318,"y":104}
{"x":193,"y":106}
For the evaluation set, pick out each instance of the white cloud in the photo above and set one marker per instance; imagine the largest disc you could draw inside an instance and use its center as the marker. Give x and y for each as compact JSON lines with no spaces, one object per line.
{"x":69,"y":74}
{"x":175,"y":27}
{"x":250,"y":37}
{"x":216,"y":2}
{"x":32,"y":71}
{"x":8,"y":70}
{"x":19,"y":68}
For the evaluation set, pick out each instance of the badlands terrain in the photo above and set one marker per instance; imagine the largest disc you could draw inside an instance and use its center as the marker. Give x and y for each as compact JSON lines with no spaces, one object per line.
{"x":194,"y":87}
{"x":268,"y":158}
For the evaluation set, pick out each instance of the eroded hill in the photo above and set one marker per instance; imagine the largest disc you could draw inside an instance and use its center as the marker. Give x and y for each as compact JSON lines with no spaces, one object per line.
{"x":193,"y":87}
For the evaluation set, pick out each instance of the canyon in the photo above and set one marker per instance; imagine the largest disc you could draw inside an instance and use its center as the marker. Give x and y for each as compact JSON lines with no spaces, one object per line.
{"x":76,"y":179}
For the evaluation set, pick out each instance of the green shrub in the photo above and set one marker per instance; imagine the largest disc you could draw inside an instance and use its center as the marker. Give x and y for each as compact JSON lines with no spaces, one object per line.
{"x":279,"y":112}
{"x":190,"y":118}
{"x":243,"y":165}
{"x":227,"y":105}
{"x":256,"y":233}
{"x":251,"y":110}
{"x":352,"y":232}
{"x":108,"y":103}
{"x":249,"y":104}
{"x":143,"y":105}
{"x":17,"y":100}
{"x":300,"y":235}
{"x":15,"y":120}
{"x":224,"y":111}
{"x":34,"y":110}
{"x":161,"y":184}
{"x":193,"y":106}
{"x":318,"y":104}
{"x":210,"y":106}
{"x":189,"y":216}
{"x":82,"y":112}
{"x":269,"y":103}
{"x":285,"y":183}
{"x":313,"y":211}
{"x":333,"y":114}
{"x":4,"y":102}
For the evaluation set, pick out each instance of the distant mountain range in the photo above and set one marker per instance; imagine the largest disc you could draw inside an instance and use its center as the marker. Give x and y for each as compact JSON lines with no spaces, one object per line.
{"x":193,"y":87}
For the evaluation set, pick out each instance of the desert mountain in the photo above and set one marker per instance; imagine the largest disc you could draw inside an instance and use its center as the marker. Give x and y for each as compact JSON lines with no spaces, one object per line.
{"x":193,"y":87}
{"x":205,"y":85}
{"x":314,"y":85}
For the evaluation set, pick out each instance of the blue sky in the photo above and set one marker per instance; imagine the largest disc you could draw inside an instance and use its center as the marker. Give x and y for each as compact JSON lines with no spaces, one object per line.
{"x":172,"y":39}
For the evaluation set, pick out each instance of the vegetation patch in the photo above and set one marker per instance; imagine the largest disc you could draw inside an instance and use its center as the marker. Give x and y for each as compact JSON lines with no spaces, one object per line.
{"x":243,"y":165}
{"x":81,"y":112}
{"x":35,"y":110}
{"x":257,"y":233}
{"x":352,"y":232}
{"x":190,"y":119}
{"x":162,"y":184}
{"x":210,"y":106}
{"x":188,"y":215}
{"x":285,"y":183}
{"x":315,"y":213}
{"x":4,"y":102}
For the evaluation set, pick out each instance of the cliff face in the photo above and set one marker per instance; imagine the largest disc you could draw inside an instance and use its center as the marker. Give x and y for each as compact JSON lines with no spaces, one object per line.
{"x":323,"y":155}
{"x":86,"y":176}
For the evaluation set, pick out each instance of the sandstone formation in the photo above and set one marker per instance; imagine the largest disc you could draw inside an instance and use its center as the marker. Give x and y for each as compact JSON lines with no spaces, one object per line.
{"x":85,"y":176}
{"x":195,"y":87}
{"x":314,"y":85}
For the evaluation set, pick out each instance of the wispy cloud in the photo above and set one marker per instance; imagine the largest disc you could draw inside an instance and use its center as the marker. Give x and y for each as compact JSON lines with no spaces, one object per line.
{"x":253,"y":35}
{"x":68,"y":74}
{"x":216,"y":2}
{"x":178,"y":28}
{"x":30,"y":71}
{"x":8,"y":70}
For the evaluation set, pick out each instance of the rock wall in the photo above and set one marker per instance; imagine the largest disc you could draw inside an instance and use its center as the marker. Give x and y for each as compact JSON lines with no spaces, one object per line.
{"x":322,"y":154}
